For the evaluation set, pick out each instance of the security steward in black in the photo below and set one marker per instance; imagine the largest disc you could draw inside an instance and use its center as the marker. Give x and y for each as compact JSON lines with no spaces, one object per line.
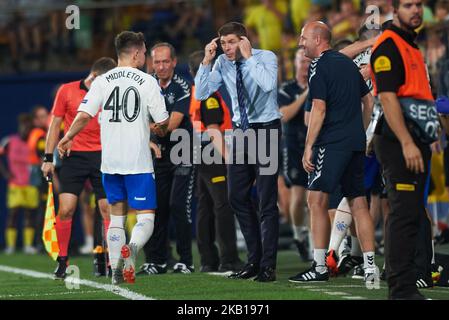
{"x":401,"y":143}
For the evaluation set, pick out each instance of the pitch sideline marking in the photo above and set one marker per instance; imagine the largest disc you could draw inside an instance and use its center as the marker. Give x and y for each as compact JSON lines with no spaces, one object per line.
{"x":346,"y":286}
{"x":48,"y":294}
{"x":337,"y":293}
{"x":326,"y":289}
{"x":125,"y":293}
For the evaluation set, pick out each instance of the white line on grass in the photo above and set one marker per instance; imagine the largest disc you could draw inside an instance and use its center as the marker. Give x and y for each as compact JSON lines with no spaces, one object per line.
{"x":353,"y":298}
{"x":316,"y":290}
{"x":125,"y":293}
{"x":325,"y":289}
{"x":48,"y":294}
{"x":336,"y":293}
{"x":220,"y":274}
{"x":348,"y":286}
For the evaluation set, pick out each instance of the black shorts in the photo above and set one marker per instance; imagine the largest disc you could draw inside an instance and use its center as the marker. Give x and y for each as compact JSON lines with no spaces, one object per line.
{"x":336,"y":167}
{"x":335,"y":199}
{"x":378,"y":188}
{"x":292,"y":169}
{"x":76,"y":169}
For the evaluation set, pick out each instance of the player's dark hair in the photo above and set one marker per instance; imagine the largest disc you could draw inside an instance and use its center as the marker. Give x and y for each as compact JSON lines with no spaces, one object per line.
{"x":103,"y":65}
{"x":167,"y":45}
{"x":233,"y":28}
{"x":127,"y":40}
{"x":396,"y":3}
{"x":195,"y":60}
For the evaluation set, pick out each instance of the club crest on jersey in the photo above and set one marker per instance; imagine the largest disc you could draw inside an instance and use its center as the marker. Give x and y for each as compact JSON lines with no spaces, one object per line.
{"x":170,"y":98}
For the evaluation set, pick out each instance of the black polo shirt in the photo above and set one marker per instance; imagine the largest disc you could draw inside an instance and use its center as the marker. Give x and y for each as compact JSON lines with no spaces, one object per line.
{"x":336,"y":79}
{"x":295,"y":128}
{"x":177,"y":98}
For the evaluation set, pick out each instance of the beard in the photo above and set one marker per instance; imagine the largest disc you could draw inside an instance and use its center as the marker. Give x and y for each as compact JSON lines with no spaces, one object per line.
{"x":410,"y":25}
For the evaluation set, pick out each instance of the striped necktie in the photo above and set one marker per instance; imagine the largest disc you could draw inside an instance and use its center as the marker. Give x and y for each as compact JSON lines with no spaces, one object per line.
{"x":241,"y":97}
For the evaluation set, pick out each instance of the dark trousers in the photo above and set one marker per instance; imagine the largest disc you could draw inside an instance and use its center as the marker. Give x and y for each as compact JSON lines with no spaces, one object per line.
{"x":174,"y":192}
{"x":406,"y":197}
{"x":215,"y":219}
{"x":424,"y":252}
{"x":260,"y":229}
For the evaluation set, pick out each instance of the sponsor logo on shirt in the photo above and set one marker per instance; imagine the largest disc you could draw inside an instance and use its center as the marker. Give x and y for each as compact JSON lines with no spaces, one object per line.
{"x":140,"y":198}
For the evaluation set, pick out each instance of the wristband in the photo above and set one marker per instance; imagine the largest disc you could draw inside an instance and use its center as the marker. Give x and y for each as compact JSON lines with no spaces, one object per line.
{"x":48,"y":157}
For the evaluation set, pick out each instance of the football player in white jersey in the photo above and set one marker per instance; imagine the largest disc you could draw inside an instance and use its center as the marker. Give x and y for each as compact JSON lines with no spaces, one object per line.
{"x":127,"y":98}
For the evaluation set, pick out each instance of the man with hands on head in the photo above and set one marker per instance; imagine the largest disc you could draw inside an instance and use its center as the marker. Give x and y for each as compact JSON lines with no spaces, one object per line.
{"x":250,"y":76}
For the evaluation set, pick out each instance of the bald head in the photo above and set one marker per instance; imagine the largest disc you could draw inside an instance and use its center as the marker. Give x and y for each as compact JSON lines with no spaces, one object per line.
{"x":320,"y":29}
{"x":315,"y":38}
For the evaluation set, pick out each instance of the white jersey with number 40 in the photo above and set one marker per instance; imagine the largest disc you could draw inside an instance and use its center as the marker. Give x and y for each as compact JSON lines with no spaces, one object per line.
{"x":127,"y":97}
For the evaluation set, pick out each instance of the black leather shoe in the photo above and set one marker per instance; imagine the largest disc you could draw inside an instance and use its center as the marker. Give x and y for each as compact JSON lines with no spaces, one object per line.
{"x":100,"y":267}
{"x":266,"y":274}
{"x":60,"y":272}
{"x":249,"y":271}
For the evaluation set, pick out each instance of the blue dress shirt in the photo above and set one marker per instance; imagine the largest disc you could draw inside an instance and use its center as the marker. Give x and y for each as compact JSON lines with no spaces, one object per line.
{"x":259,"y":73}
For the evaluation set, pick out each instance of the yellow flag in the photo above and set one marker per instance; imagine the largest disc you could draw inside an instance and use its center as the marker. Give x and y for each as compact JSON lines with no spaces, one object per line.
{"x":49,"y":233}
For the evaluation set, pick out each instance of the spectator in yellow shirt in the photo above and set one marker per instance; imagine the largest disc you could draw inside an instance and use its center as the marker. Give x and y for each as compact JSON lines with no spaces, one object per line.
{"x":267,"y":20}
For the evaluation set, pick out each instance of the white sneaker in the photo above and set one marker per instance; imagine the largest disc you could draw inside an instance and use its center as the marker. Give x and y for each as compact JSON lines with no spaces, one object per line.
{"x":371,"y":278}
{"x":86,"y":249}
{"x":88,"y":246}
{"x":183,"y":268}
{"x":10,"y":250}
{"x":29,"y":250}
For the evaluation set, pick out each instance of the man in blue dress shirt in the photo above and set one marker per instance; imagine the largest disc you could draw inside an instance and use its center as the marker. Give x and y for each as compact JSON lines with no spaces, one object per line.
{"x":250,"y":76}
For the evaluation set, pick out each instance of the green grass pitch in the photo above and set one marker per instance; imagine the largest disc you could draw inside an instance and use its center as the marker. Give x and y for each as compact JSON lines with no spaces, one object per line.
{"x":195,"y":286}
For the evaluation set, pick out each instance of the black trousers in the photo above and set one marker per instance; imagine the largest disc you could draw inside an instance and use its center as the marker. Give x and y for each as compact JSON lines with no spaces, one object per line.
{"x":215,"y":219}
{"x":260,"y":229}
{"x":174,"y":192}
{"x":406,"y":197}
{"x":424,"y":251}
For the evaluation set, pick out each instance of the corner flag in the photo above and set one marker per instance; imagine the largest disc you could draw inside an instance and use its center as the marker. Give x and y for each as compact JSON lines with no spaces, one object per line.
{"x":49,"y":233}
